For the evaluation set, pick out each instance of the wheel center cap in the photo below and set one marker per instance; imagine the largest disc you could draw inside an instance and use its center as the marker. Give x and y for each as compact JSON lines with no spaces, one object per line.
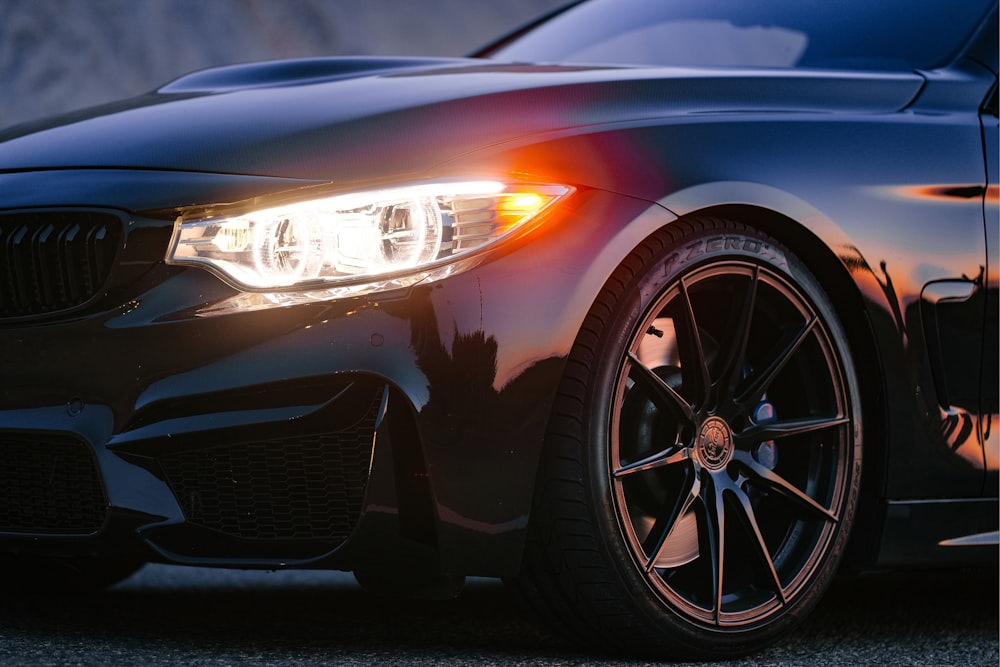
{"x":715,"y":443}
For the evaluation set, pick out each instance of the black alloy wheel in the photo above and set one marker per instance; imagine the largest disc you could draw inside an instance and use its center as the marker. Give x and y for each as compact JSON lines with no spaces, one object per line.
{"x":703,"y":461}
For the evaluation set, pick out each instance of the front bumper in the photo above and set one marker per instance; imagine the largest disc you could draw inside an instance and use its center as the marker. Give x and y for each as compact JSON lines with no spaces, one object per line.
{"x":332,"y":434}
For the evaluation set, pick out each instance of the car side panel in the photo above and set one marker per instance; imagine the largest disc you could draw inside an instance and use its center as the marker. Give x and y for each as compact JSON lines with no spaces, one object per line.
{"x":887,"y":193}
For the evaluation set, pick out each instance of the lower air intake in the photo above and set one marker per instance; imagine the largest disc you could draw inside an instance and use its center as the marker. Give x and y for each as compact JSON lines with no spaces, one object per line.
{"x":296,"y":488}
{"x":49,"y":484}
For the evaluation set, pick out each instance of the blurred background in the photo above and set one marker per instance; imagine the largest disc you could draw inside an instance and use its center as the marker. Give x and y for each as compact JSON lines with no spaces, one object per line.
{"x":61,"y":55}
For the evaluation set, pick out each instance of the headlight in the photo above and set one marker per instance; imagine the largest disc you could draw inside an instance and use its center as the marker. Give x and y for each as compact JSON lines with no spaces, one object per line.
{"x":362,"y":241}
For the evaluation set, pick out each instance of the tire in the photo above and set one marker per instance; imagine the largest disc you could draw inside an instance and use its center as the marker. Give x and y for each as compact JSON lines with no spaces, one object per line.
{"x":702,"y":463}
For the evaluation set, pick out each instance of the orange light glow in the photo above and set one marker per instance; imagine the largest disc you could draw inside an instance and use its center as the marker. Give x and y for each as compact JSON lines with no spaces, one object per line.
{"x":954,"y":192}
{"x":525,"y":201}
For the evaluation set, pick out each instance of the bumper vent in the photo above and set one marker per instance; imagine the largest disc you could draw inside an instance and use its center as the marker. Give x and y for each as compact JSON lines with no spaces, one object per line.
{"x":49,"y":484}
{"x":297,"y":488}
{"x":52,"y":261}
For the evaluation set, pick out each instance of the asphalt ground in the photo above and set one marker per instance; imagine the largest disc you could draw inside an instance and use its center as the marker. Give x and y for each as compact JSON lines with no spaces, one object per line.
{"x":167,"y":615}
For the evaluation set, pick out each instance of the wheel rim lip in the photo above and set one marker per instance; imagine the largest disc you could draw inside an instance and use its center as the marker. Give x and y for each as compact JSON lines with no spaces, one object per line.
{"x":764,"y":608}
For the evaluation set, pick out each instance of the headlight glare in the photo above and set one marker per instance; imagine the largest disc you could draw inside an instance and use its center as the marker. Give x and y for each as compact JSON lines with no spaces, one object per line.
{"x":354,"y":238}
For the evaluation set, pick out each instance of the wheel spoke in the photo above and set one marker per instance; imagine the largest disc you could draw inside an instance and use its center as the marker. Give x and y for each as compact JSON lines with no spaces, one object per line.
{"x":661,"y":458}
{"x":668,"y":529}
{"x":694,"y":365}
{"x":732,"y":369}
{"x":661,"y":393}
{"x":787,"y":428}
{"x":749,"y":520}
{"x":775,"y":481}
{"x":761,"y":381}
{"x":716,"y":519}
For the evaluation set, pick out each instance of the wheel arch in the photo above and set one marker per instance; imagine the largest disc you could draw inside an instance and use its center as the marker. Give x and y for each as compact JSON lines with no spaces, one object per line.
{"x":834,"y":275}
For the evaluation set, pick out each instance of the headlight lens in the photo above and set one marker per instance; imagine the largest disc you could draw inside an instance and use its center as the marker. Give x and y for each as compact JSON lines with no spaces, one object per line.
{"x":383,"y":238}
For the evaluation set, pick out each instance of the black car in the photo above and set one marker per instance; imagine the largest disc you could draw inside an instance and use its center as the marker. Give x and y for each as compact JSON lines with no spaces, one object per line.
{"x":664,"y":312}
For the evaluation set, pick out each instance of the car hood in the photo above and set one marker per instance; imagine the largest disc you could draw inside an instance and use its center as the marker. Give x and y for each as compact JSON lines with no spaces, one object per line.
{"x":360,"y":120}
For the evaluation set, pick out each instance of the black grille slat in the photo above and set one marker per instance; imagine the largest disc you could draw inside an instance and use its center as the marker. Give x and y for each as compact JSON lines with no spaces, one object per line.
{"x":295,"y":488}
{"x":53,"y":261}
{"x":66,"y":274}
{"x":49,"y":484}
{"x":44,"y":292}
{"x":93,"y":251}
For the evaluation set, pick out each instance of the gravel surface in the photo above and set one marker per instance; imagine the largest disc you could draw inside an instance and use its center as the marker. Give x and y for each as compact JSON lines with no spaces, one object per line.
{"x":192,"y":616}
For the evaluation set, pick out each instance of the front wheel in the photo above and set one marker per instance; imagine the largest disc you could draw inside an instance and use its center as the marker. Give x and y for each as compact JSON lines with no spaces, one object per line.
{"x":702,"y":464}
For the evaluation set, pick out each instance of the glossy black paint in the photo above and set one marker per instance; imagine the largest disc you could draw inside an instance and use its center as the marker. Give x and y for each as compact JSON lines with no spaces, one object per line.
{"x":879,"y":180}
